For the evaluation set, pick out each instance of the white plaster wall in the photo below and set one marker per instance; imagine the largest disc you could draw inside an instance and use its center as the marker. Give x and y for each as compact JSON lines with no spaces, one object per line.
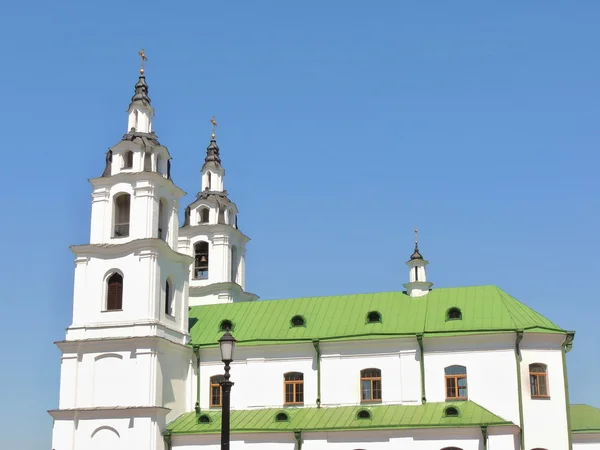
{"x":173,"y":381}
{"x":538,"y":413}
{"x":341,"y":364}
{"x":146,"y":189}
{"x":258,"y":372}
{"x":216,"y":180}
{"x":114,"y":433}
{"x":144,"y":274}
{"x":491,"y":370}
{"x":418,"y":439}
{"x":586,"y":441}
{"x":124,"y":373}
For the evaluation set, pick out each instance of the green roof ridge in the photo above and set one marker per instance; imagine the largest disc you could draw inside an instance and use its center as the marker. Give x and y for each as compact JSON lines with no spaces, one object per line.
{"x":340,"y":418}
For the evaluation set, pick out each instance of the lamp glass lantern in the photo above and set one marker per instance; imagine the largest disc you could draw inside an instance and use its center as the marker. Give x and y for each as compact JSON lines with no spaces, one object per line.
{"x":227,"y":344}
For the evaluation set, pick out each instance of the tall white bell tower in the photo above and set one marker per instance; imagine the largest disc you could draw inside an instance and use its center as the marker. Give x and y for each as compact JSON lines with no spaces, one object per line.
{"x":125,"y":361}
{"x":211,"y":236}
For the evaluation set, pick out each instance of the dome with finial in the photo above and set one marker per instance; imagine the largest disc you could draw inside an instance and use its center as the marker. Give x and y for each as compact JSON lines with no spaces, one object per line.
{"x":416,"y":254}
{"x":212,"y":160}
{"x":141,"y":92}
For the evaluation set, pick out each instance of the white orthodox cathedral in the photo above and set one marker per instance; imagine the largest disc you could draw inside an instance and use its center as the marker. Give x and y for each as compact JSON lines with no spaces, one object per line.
{"x":466,"y":368}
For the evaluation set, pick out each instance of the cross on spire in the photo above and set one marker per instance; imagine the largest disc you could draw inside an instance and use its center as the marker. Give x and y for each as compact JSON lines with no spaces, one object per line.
{"x":144,"y":59}
{"x":214,"y":126}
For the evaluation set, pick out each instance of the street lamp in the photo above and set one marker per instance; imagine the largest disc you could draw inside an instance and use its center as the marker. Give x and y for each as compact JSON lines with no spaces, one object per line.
{"x":227,"y":344}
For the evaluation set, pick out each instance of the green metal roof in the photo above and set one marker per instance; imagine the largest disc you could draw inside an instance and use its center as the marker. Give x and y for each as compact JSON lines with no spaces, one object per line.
{"x":585,"y":419}
{"x":430,"y":415}
{"x":485,"y":309}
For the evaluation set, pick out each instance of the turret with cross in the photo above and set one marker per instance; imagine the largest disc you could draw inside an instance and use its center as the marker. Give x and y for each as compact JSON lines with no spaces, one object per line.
{"x":418,"y":285}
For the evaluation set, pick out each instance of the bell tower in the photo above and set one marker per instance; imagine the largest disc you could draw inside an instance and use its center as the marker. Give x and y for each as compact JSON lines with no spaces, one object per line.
{"x":211,"y":236}
{"x":125,"y":359}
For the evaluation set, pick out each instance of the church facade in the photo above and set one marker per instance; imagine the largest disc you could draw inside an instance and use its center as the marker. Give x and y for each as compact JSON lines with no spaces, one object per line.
{"x":465,"y":368}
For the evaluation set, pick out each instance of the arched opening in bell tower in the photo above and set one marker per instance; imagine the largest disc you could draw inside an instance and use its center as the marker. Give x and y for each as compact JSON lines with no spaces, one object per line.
{"x":121,"y":216}
{"x":201,"y":260}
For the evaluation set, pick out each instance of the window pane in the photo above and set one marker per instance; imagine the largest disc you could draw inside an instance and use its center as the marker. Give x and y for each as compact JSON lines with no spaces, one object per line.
{"x":462,"y":392}
{"x":450,"y":387}
{"x":456,"y":370}
{"x":462,"y":382}
{"x":366,"y":390}
{"x":215,"y":395}
{"x":543,"y":388}
{"x":376,"y":389}
{"x":533,"y":383}
{"x":300,"y":393}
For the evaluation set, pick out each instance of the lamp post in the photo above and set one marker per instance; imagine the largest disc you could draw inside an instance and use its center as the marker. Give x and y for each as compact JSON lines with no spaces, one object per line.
{"x":227,"y":344}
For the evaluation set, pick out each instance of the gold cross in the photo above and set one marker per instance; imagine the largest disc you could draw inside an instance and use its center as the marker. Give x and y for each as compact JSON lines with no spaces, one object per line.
{"x":143,"y":56}
{"x":214,"y":126}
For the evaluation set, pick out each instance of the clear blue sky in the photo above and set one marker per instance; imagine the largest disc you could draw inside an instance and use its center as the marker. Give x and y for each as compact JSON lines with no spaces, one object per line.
{"x":342,"y":126}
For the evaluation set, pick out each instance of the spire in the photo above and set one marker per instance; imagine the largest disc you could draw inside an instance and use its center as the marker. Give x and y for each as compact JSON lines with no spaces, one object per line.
{"x":416,"y":254}
{"x":141,"y":92}
{"x":212,"y":160}
{"x":140,"y":111}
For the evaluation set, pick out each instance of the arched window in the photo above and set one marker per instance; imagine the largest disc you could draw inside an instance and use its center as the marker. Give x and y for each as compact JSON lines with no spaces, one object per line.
{"x":226,"y":325}
{"x":128,"y":160}
{"x":456,"y":382}
{"x":204,"y":418}
{"x":297,"y":321}
{"x":451,"y":448}
{"x":161,"y":165}
{"x":234,"y":264}
{"x":216,"y":391}
{"x":538,"y":380}
{"x":370,"y":385}
{"x":162,"y":219}
{"x":221,"y":215}
{"x":363,"y":414}
{"x":148,"y":162}
{"x":282,"y":417}
{"x":373,"y":317}
{"x":122,"y":208}
{"x":201,"y":260}
{"x":168,"y":298}
{"x":454,"y":314}
{"x":293,"y":386}
{"x":114,"y":292}
{"x":209,"y":184}
{"x":451,"y":411}
{"x":204,"y":215}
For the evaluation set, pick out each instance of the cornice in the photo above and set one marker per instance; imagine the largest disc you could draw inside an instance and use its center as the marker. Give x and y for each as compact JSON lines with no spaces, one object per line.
{"x":128,"y":247}
{"x":127,"y":177}
{"x":108,"y":411}
{"x":73,"y":346}
{"x":215,"y":288}
{"x":190,"y":231}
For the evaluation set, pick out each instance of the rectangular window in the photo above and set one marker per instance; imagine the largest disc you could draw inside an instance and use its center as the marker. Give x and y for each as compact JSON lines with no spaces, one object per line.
{"x":539,"y":385}
{"x":370,"y":385}
{"x":456,"y":387}
{"x":216,"y":391}
{"x":293,"y":386}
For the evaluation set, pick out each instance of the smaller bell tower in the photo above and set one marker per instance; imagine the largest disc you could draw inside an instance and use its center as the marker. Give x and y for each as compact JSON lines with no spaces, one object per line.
{"x":418,"y":286}
{"x":211,"y":236}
